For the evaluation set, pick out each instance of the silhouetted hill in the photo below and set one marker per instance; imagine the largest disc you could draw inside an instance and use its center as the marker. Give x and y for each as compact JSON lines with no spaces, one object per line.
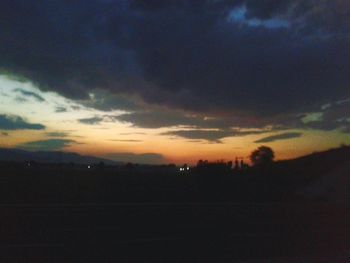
{"x":322,"y":175}
{"x":332,"y":172}
{"x":16,"y":155}
{"x":273,"y":211}
{"x":329,"y":158}
{"x":316,"y":164}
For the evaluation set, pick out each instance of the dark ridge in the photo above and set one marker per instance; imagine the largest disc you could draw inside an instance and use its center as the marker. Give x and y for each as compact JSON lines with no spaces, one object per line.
{"x":16,"y":155}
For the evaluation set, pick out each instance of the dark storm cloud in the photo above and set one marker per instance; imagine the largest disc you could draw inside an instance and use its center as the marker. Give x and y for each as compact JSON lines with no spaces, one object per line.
{"x":12,"y":122}
{"x":46,"y":145}
{"x":246,"y":68}
{"x":184,"y":54}
{"x":278,"y":137}
{"x":62,"y":45}
{"x":144,"y":158}
{"x":26,"y":93}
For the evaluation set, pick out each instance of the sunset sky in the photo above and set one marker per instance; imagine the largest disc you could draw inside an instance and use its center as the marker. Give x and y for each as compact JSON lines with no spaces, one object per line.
{"x":174,"y":81}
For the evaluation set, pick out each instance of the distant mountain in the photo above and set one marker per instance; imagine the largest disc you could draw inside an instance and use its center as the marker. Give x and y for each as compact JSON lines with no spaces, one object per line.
{"x":17,"y":155}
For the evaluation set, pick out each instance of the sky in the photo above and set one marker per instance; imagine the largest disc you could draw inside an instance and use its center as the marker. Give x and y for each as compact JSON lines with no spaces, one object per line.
{"x":175,"y":81}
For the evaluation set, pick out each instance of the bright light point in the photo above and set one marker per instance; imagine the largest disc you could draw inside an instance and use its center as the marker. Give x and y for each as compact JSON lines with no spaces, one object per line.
{"x":89,"y":166}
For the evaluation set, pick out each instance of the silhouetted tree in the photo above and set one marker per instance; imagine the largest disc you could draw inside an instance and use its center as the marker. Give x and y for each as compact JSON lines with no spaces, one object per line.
{"x":262,"y":156}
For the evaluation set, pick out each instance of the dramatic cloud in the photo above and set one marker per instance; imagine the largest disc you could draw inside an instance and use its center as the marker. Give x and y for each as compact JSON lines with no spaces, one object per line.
{"x":166,"y":118}
{"x":262,"y":58}
{"x":278,"y":137}
{"x":11,"y":122}
{"x":144,"y":158}
{"x":46,"y":145}
{"x":206,"y":62}
{"x":159,"y":118}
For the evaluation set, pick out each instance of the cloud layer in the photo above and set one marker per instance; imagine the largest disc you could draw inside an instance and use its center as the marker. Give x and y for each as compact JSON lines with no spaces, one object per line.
{"x":262,"y":58}
{"x":11,"y":122}
{"x":278,"y":137}
{"x":211,"y":135}
{"x":46,"y":145}
{"x":26,"y":93}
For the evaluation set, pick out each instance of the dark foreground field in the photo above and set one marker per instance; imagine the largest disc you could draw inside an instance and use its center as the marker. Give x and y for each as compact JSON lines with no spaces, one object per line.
{"x":65,"y":214}
{"x":174,"y":232}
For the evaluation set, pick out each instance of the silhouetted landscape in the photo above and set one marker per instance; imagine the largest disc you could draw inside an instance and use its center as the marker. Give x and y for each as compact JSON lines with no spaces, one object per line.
{"x":284,"y":210}
{"x":312,"y":177}
{"x":174,"y":131}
